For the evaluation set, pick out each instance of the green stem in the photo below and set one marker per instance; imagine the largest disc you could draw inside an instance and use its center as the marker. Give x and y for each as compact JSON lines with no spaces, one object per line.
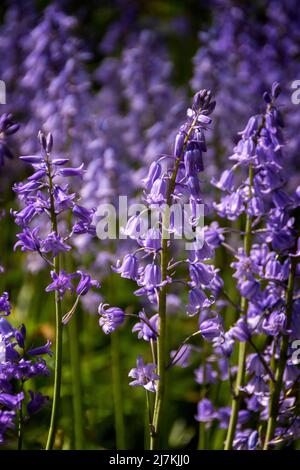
{"x":76,"y":370}
{"x":20,"y":429}
{"x":236,"y":399}
{"x":117,"y":392}
{"x":57,"y":366}
{"x":20,"y":421}
{"x":202,"y":437}
{"x":77,"y":393}
{"x":117,"y":387}
{"x":161,"y":353}
{"x":149,"y":421}
{"x":146,"y":425}
{"x":277,"y":386}
{"x":58,"y":326}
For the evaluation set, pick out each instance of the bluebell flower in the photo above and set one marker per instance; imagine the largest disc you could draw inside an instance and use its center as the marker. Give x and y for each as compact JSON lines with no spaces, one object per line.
{"x":182,"y":356}
{"x":37,"y":401}
{"x":147,"y":328}
{"x":200,"y":274}
{"x":7,"y":128}
{"x":205,"y":411}
{"x":153,"y":174}
{"x":11,"y":401}
{"x":144,"y":375}
{"x":39,"y":351}
{"x":54,"y":244}
{"x":274,"y":324}
{"x":85,"y":283}
{"x":110,"y":318}
{"x":61,"y":282}
{"x":129,"y":267}
{"x":197,"y":300}
{"x":5,"y":307}
{"x":240,"y":330}
{"x":210,"y":329}
{"x":206,"y":375}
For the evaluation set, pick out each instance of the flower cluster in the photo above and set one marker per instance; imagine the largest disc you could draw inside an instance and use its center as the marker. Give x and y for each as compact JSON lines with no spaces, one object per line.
{"x":50,"y":219}
{"x":17,"y":21}
{"x":18,"y":364}
{"x":137,"y":103}
{"x":237,"y":279}
{"x":267,"y":281}
{"x":47,"y":201}
{"x":60,"y":80}
{"x":171,"y":178}
{"x":238,"y":39}
{"x":5,"y":307}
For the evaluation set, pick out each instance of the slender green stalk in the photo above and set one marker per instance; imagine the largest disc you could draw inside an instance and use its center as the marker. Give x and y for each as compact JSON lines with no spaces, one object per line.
{"x":20,"y":422}
{"x":57,"y":366}
{"x":76,"y":371}
{"x":117,"y":392}
{"x":58,"y":327}
{"x":202,"y":437}
{"x":77,"y":392}
{"x":118,"y":399}
{"x":146,"y":425}
{"x":236,"y":399}
{"x":277,"y":386}
{"x":161,"y":352}
{"x":149,"y":419}
{"x":20,"y":429}
{"x":161,"y":340}
{"x":75,"y":362}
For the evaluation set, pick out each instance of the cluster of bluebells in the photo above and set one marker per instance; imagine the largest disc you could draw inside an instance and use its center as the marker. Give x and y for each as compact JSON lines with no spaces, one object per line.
{"x":46,"y":74}
{"x":241,"y":55}
{"x":54,"y":72}
{"x":18,"y":364}
{"x":47,"y":63}
{"x":47,"y":203}
{"x":18,"y":19}
{"x":130,"y":120}
{"x":171,"y":179}
{"x":136,"y":101}
{"x":123,"y":107}
{"x":262,"y":279}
